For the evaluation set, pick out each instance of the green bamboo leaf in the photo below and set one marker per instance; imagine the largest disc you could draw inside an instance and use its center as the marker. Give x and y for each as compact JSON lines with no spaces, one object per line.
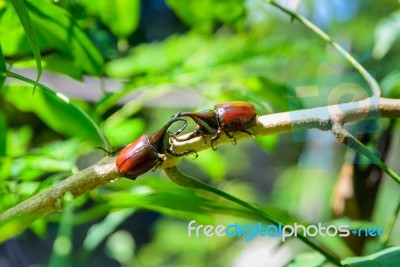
{"x":307,"y":259}
{"x":100,"y":231}
{"x":3,"y":67}
{"x":3,"y":134}
{"x":390,"y":85}
{"x":61,"y":31}
{"x":121,"y":16}
{"x":57,"y":111}
{"x":384,"y":258}
{"x":26,"y":23}
{"x":167,"y":198}
{"x":386,"y":33}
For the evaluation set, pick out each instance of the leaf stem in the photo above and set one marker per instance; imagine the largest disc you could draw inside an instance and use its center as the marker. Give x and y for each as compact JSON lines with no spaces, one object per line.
{"x":64,"y":98}
{"x":373,"y":84}
{"x":390,"y":225}
{"x":349,"y":140}
{"x":184,"y":180}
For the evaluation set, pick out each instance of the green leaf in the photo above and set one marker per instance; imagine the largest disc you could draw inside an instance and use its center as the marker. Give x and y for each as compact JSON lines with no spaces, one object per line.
{"x":192,"y":13}
{"x":204,"y":14}
{"x":156,"y":57}
{"x":121,"y":16}
{"x":167,"y":198}
{"x":124,"y":131}
{"x":268,"y":142}
{"x":212,"y":163}
{"x":60,"y":30}
{"x":22,"y":12}
{"x":57,"y":33}
{"x":121,"y":247}
{"x":57,"y":111}
{"x":386,"y":33}
{"x":3,"y":67}
{"x":3,"y":134}
{"x":99,"y":231}
{"x":307,"y":259}
{"x":386,"y":258}
{"x":390,"y":85}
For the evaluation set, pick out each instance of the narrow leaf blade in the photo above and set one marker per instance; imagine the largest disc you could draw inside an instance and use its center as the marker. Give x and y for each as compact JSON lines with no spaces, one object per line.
{"x":26,"y":23}
{"x":3,"y":68}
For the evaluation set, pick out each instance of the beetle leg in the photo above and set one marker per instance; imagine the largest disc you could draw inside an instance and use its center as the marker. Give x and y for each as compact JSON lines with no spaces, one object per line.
{"x":214,"y":138}
{"x":245,"y":131}
{"x":160,"y":161}
{"x":212,"y":145}
{"x":155,"y":168}
{"x":180,"y":130}
{"x":231,"y":137}
{"x":184,"y":153}
{"x":197,"y":133}
{"x":111,"y":153}
{"x":193,"y":134}
{"x":204,"y":139}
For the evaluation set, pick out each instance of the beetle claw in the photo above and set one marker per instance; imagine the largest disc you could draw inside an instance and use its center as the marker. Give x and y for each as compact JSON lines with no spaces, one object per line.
{"x":212,"y":145}
{"x":231,"y":138}
{"x":194,"y":153}
{"x":214,"y":138}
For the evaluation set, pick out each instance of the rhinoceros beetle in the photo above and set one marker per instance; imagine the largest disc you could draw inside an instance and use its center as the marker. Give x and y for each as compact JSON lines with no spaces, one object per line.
{"x":227,"y":117}
{"x":143,"y":154}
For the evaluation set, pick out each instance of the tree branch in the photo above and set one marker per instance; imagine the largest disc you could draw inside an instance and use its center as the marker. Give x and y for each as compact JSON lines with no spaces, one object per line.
{"x":22,"y":215}
{"x":105,"y":171}
{"x":320,"y":118}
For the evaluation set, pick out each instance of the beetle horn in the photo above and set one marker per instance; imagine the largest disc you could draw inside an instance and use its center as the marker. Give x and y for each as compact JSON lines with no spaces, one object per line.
{"x":177,"y":115}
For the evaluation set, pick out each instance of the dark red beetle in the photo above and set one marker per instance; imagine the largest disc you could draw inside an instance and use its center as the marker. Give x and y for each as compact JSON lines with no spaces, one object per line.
{"x":144,"y":154}
{"x":228,"y":117}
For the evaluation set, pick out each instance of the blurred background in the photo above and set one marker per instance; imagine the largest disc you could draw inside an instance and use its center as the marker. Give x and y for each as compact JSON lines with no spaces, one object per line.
{"x":129,"y":65}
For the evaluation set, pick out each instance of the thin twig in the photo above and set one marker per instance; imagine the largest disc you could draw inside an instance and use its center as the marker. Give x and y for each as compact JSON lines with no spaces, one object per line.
{"x":375,"y":89}
{"x":390,"y":226}
{"x":319,"y":118}
{"x":349,"y":140}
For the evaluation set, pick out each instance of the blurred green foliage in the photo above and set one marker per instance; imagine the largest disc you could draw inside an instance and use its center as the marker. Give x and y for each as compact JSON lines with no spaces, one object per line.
{"x":210,"y":51}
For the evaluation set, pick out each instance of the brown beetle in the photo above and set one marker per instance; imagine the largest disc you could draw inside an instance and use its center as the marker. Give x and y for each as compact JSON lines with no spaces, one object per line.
{"x":144,"y":154}
{"x":227,"y":117}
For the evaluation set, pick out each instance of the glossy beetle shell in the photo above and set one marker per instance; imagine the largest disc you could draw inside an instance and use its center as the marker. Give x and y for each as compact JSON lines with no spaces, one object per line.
{"x":236,"y":116}
{"x":137,"y":158}
{"x":143,"y":154}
